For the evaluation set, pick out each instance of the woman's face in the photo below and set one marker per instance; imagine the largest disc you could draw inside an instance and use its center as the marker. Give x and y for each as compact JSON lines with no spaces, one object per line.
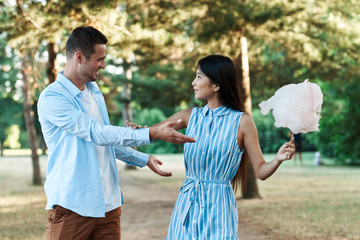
{"x":203,"y":88}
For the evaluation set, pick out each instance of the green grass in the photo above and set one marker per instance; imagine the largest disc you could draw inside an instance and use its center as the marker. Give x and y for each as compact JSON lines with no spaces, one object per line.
{"x":298,"y":202}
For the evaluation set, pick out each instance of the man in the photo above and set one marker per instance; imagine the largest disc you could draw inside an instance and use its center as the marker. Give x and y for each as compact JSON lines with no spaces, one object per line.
{"x":82,"y":184}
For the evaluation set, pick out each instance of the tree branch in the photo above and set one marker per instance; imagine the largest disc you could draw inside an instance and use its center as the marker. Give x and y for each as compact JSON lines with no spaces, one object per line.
{"x":28,"y":18}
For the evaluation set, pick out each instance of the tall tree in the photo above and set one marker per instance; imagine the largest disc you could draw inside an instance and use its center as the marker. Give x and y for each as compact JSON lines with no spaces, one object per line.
{"x":29,"y":114}
{"x":303,"y":33}
{"x":306,"y":33}
{"x":25,"y":21}
{"x":27,"y":25}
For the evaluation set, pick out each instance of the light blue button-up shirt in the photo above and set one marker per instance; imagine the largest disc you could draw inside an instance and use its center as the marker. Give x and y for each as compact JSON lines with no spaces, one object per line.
{"x":73,"y":177}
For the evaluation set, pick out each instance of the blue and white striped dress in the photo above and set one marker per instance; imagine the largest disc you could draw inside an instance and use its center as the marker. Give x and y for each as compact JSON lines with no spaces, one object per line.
{"x":206,"y":206}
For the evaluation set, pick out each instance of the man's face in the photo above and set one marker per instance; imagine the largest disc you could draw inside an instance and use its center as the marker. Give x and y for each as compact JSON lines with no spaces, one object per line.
{"x":89,"y":69}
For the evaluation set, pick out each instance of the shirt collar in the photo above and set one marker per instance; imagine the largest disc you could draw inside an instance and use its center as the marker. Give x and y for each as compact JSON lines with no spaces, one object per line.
{"x":74,"y":91}
{"x":219,"y":111}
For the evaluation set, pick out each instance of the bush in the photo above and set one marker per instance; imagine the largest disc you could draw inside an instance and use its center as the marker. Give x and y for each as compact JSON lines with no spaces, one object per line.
{"x":339,"y":125}
{"x":270,"y":137}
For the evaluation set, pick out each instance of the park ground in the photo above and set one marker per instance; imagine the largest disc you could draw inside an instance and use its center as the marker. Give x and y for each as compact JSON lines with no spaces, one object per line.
{"x":298,"y":202}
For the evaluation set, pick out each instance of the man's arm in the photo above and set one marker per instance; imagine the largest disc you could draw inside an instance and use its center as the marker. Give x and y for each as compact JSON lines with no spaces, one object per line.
{"x":55,"y":110}
{"x":58,"y":110}
{"x":131,"y":156}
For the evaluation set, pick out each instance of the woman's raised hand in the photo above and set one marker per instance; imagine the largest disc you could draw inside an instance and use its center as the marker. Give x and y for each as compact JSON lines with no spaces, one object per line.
{"x":287,"y":150}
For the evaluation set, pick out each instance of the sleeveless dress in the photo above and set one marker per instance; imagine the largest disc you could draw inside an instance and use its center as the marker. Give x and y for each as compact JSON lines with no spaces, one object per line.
{"x":206,"y":207}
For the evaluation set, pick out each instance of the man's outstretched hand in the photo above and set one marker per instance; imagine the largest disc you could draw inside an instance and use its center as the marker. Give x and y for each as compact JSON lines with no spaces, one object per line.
{"x":154,"y":163}
{"x":167,"y":133}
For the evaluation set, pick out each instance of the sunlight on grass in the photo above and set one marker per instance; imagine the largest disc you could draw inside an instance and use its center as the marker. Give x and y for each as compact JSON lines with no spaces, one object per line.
{"x":12,"y":203}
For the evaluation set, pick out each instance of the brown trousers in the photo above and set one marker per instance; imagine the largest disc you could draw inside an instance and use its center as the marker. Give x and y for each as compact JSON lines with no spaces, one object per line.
{"x":63,"y":224}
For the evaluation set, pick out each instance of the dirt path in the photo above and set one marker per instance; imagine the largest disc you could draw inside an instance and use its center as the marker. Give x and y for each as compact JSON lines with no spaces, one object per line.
{"x":147,"y":210}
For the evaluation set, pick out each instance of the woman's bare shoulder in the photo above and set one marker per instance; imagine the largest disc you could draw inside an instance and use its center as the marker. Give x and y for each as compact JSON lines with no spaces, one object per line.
{"x":246,"y":119}
{"x":246,"y":123}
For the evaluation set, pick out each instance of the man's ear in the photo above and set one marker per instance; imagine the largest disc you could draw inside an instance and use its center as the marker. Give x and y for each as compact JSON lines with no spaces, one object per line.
{"x":79,"y":57}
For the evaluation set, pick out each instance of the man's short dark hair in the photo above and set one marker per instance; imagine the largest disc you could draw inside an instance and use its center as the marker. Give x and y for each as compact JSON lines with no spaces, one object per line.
{"x":84,"y":39}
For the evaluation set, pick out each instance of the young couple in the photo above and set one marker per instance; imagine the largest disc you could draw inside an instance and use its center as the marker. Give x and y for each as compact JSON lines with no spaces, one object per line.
{"x":82,"y":186}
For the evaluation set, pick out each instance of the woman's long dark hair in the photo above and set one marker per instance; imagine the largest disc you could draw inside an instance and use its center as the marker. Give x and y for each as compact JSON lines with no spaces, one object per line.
{"x":221,"y":71}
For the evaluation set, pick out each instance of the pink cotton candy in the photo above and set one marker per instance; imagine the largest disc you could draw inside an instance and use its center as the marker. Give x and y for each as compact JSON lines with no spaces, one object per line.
{"x":296,"y":106}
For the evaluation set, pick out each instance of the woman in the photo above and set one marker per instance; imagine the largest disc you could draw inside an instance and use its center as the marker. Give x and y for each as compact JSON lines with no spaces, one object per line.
{"x":206,"y":206}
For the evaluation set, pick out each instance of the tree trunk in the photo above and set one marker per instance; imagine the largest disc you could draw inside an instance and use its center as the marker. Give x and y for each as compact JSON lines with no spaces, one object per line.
{"x":29,"y":120}
{"x":127,"y":113}
{"x":245,"y":75}
{"x":1,"y":148}
{"x":242,"y":65}
{"x":51,"y":72}
{"x":51,"y":65}
{"x":43,"y":145}
{"x":251,"y":189}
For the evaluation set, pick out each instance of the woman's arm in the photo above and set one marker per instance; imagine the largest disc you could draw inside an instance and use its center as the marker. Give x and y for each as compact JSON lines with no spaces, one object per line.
{"x":184,"y":115}
{"x":247,"y":135}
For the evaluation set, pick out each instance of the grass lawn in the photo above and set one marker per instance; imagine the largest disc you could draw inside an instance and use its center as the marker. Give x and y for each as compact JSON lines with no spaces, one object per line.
{"x":308,"y":202}
{"x":298,"y":202}
{"x":22,"y":214}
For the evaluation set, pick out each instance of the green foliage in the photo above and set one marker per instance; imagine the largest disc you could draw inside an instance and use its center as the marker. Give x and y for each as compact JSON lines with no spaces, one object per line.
{"x":13,"y":135}
{"x":270,"y":137}
{"x":339,"y":125}
{"x":8,"y":72}
{"x":272,"y":67}
{"x":11,"y":110}
{"x":10,"y":115}
{"x":163,"y":87}
{"x":161,"y":41}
